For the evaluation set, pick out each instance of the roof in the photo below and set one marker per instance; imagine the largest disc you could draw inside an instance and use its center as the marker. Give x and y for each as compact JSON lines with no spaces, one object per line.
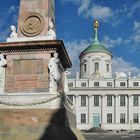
{"x":95,"y":47}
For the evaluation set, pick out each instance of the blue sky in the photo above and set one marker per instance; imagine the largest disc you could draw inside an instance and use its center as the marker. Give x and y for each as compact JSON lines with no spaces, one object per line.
{"x":119,"y":28}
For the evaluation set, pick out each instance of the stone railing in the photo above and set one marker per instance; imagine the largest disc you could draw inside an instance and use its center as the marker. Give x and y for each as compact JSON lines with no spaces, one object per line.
{"x":69,"y":105}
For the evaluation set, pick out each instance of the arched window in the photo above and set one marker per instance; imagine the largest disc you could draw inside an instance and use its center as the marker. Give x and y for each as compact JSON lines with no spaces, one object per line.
{"x":85,"y":67}
{"x":107,"y":67}
{"x":96,"y":67}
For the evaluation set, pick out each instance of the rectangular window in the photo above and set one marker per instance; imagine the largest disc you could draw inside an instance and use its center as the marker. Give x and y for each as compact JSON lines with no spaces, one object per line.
{"x":96,"y":84}
{"x":70,"y":97}
{"x":122,"y":84}
{"x":96,"y":100}
{"x":122,"y":117}
{"x":135,"y":118}
{"x":109,"y":100}
{"x":83,"y":100}
{"x":83,"y":84}
{"x":96,"y":67}
{"x":135,"y":84}
{"x":109,"y":84}
{"x":135,"y":100}
{"x":85,"y":67}
{"x":83,"y":118}
{"x":122,"y":100}
{"x":107,"y":67}
{"x":109,"y":118}
{"x":70,"y":84}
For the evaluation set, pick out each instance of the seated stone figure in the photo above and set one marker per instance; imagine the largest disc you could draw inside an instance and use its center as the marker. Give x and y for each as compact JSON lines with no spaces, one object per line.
{"x":13,"y":32}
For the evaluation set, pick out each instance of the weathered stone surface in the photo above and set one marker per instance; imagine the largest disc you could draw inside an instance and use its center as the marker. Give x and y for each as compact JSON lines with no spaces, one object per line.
{"x":26,"y":74}
{"x":35,"y":13}
{"x":41,"y":124}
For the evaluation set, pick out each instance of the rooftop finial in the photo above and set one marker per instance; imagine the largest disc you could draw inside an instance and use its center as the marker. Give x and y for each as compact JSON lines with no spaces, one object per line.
{"x":96,"y":25}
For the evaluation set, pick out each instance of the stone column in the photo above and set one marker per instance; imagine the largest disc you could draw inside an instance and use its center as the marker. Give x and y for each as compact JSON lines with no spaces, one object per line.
{"x":89,"y":106}
{"x":116,"y":104}
{"x":102,"y":108}
{"x":77,"y":106}
{"x":129,"y":108}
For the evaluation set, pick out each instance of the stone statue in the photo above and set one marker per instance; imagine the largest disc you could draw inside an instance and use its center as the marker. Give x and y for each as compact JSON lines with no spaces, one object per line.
{"x":3,"y":62}
{"x":51,"y":30}
{"x":13,"y":32}
{"x":77,"y":75}
{"x":66,"y":88}
{"x":54,"y":73}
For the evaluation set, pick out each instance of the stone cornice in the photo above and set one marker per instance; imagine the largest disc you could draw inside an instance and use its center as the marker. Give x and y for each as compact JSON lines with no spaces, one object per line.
{"x":31,"y":46}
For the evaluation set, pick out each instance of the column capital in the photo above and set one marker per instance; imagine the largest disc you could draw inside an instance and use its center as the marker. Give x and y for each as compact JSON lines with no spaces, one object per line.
{"x":116,"y":95}
{"x":90,"y":95}
{"x":102,"y":96}
{"x":129,"y":95}
{"x":77,"y":95}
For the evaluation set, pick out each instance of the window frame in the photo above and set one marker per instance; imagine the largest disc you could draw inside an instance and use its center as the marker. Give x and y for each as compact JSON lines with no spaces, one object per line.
{"x":137,"y":84}
{"x":107,"y":67}
{"x":96,"y":100}
{"x":109,"y":84}
{"x":83,"y":100}
{"x":122,"y":118}
{"x":135,"y":100}
{"x":122,"y":84}
{"x":122,"y":100}
{"x":96,"y":66}
{"x":135,"y":119}
{"x":96,"y":84}
{"x":109,"y":100}
{"x":109,"y":117}
{"x":83,"y":84}
{"x":83,"y":118}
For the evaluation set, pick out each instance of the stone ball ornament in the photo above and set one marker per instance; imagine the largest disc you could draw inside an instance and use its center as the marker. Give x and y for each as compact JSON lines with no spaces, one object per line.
{"x":32,"y":25}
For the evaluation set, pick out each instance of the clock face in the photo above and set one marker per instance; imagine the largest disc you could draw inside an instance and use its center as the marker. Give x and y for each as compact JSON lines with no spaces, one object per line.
{"x":32,"y":25}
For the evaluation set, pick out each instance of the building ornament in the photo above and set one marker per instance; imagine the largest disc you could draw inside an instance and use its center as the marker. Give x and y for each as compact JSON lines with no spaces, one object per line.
{"x":77,"y":75}
{"x":51,"y":28}
{"x":13,"y":32}
{"x":26,"y":100}
{"x":32,"y":25}
{"x":54,"y":74}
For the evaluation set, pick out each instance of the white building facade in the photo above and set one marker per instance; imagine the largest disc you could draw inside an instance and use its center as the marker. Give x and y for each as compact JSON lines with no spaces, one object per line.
{"x":112,"y":103}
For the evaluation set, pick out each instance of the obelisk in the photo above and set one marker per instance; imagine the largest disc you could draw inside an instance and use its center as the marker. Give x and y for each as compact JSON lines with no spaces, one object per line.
{"x":35,"y":17}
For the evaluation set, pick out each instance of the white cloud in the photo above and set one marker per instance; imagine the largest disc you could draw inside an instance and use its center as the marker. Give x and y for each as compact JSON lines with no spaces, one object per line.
{"x":110,"y":43}
{"x":136,"y":35}
{"x":136,"y":25}
{"x":99,"y":12}
{"x":133,"y":8}
{"x":137,"y":38}
{"x":74,"y":49}
{"x":120,"y":65}
{"x":87,"y":8}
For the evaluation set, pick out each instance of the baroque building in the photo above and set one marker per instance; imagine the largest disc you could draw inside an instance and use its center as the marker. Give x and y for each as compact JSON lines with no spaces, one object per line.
{"x":101,"y":100}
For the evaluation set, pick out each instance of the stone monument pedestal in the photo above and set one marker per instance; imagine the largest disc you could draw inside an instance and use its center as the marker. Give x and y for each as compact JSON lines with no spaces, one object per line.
{"x":28,"y":111}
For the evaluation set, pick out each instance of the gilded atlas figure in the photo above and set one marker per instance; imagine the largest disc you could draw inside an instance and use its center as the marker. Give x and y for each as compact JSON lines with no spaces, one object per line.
{"x":54,"y":73}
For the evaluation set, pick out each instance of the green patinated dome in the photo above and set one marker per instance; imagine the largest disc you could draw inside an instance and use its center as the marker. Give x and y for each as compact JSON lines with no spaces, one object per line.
{"x":95,"y":46}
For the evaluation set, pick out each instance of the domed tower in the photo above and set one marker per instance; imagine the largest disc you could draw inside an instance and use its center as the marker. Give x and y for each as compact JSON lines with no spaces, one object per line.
{"x":96,"y":60}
